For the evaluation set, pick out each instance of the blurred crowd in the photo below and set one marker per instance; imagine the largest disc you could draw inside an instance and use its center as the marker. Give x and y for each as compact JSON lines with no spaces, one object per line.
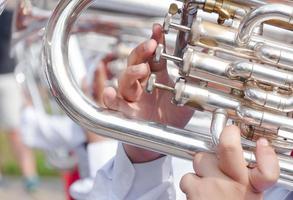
{"x":31,"y":118}
{"x":11,"y":101}
{"x":29,"y":115}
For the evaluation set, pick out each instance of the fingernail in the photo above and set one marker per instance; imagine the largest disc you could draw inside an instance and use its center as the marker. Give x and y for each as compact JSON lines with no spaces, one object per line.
{"x":263,"y":142}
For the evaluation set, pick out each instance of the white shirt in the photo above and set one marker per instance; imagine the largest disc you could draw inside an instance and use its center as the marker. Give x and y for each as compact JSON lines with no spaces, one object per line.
{"x":48,"y":132}
{"x":98,"y":154}
{"x":51,"y":133}
{"x":120,"y":179}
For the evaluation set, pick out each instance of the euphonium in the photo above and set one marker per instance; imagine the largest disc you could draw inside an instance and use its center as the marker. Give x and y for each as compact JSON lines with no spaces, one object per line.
{"x":229,"y":65}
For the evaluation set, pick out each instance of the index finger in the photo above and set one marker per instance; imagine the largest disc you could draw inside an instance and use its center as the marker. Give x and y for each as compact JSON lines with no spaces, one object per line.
{"x":159,"y":36}
{"x":230,"y":152}
{"x":142,"y":53}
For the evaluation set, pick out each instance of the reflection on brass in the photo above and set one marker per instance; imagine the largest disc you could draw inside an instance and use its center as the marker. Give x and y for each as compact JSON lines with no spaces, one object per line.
{"x":173,"y":9}
{"x":281,"y":24}
{"x":210,"y":6}
{"x":223,"y":15}
{"x":208,"y":41}
{"x":225,"y":8}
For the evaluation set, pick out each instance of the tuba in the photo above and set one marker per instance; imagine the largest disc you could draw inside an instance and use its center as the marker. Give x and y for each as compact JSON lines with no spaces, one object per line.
{"x":231,"y":62}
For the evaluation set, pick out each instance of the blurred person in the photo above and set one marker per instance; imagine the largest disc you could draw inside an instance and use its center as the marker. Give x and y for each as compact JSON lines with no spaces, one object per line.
{"x":62,"y":132}
{"x":10,"y":103}
{"x":55,"y":132}
{"x":45,"y":132}
{"x":136,"y":173}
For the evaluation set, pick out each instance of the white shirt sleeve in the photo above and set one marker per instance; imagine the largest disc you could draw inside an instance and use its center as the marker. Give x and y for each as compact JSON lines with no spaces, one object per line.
{"x":278,"y":193}
{"x":121,"y":179}
{"x":107,"y":150}
{"x":47,"y":132}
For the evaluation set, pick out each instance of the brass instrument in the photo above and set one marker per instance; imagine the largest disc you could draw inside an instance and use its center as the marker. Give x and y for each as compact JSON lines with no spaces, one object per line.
{"x":229,"y":65}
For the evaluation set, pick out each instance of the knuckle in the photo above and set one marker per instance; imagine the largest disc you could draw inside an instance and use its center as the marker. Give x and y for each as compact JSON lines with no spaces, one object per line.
{"x":227,"y":146}
{"x":199,"y":157}
{"x":230,"y":138}
{"x":271,"y":176}
{"x":187,"y":177}
{"x":187,"y":181}
{"x":198,"y":160}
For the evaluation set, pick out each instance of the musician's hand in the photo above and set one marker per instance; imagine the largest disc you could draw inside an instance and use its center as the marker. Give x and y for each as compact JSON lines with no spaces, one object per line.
{"x":226,"y":176}
{"x":131,"y":98}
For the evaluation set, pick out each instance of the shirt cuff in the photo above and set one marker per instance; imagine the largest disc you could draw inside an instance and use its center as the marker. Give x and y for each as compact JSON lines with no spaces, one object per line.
{"x":140,"y":178}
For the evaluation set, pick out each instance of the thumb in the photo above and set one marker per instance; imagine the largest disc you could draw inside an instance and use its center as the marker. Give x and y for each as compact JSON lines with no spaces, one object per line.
{"x":267,"y":170}
{"x":189,"y":183}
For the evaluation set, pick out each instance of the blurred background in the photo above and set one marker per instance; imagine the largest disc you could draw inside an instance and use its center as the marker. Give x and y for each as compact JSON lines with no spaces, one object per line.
{"x":25,"y":173}
{"x":43,"y":154}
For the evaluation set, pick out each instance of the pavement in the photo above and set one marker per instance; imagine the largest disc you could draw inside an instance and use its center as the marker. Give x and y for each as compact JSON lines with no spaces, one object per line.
{"x":11,"y":188}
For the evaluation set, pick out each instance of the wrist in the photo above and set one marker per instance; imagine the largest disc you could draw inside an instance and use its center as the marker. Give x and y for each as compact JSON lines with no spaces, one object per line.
{"x":140,"y":155}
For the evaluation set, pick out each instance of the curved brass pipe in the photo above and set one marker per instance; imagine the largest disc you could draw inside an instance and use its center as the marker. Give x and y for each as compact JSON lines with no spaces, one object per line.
{"x":164,"y":139}
{"x":258,"y":16}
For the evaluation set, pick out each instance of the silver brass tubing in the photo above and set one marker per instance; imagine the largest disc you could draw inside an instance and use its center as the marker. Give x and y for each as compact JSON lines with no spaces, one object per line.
{"x":260,"y":15}
{"x":268,"y":99}
{"x":160,"y":54}
{"x":163,"y":87}
{"x":251,"y":2}
{"x":219,"y":122}
{"x":164,"y":139}
{"x":215,"y":32}
{"x":259,"y":2}
{"x":187,"y":93}
{"x":210,"y":99}
{"x":285,"y":132}
{"x":218,"y":34}
{"x":210,"y":78}
{"x":171,"y":58}
{"x":264,"y":119}
{"x":160,"y":138}
{"x":275,"y":56}
{"x":261,"y":73}
{"x":245,"y":69}
{"x":207,"y":63}
{"x":179,"y":27}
